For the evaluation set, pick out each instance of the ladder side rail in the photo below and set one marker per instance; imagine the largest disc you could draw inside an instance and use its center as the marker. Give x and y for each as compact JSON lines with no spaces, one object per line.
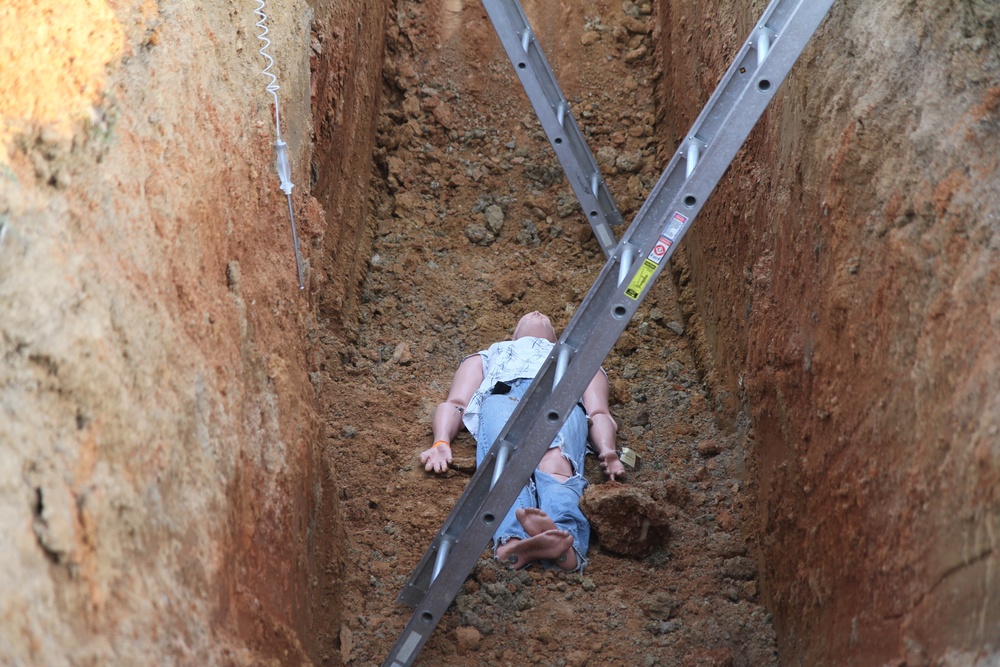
{"x":556,"y":118}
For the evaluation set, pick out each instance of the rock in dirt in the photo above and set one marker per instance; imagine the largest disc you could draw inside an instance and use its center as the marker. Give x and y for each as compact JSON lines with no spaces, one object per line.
{"x":566,"y":206}
{"x":637,"y":26}
{"x":479,"y":235}
{"x":625,"y":519}
{"x":346,"y":643}
{"x":606,"y":156}
{"x":709,"y":447}
{"x":411,"y":106}
{"x":444,"y":117}
{"x":726,"y":546}
{"x":631,"y":9}
{"x":528,"y":235}
{"x":635,"y":54}
{"x":739,"y":567}
{"x":640,"y":418}
{"x":466,"y":464}
{"x":660,"y":607}
{"x":401,"y":355}
{"x":629,"y":163}
{"x":510,"y":287}
{"x":468,"y":640}
{"x":725,"y":521}
{"x":494,"y":218}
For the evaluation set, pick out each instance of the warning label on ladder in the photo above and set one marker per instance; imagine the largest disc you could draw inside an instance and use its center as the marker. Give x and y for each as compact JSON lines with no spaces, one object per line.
{"x":642,"y":277}
{"x":660,"y":249}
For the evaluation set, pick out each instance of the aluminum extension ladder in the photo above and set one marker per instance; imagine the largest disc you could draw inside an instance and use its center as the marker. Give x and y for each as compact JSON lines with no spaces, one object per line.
{"x":557,"y":120}
{"x":761,"y":65}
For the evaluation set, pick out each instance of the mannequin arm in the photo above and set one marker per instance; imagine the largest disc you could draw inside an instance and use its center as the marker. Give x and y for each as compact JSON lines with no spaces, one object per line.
{"x":603,"y":428}
{"x":448,"y":415}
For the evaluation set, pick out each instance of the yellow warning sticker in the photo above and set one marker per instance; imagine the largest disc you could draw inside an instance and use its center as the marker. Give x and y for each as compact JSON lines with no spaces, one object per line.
{"x":642,"y":277}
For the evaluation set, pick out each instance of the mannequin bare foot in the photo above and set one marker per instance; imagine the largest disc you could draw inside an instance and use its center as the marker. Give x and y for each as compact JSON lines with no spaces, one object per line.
{"x":536,"y":522}
{"x":552,"y":544}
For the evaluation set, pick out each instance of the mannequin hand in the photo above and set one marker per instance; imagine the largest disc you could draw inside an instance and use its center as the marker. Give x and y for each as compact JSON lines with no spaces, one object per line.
{"x":611,"y":465}
{"x":437,"y":458}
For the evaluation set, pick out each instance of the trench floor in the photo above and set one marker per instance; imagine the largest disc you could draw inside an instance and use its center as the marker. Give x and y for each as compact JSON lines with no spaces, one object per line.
{"x":457,"y":137}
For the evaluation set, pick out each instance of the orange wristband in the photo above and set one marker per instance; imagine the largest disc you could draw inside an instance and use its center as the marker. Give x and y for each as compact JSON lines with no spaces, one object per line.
{"x":440,"y":442}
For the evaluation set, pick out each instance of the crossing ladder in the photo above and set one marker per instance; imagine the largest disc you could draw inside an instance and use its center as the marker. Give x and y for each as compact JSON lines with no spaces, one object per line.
{"x":552,"y":109}
{"x":634,"y":264}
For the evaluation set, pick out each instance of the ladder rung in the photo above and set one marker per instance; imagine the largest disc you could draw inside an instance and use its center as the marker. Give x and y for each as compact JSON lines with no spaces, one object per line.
{"x":503,"y":453}
{"x":561,"y":360}
{"x":625,"y":266}
{"x":442,"y":556}
{"x":763,"y":43}
{"x":693,"y":152}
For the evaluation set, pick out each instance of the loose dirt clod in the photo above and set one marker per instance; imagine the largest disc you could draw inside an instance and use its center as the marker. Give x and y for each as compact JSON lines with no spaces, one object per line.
{"x":625,"y":519}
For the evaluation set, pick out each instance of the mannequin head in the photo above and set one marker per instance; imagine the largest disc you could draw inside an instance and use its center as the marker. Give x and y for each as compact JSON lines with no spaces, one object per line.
{"x":534,"y":324}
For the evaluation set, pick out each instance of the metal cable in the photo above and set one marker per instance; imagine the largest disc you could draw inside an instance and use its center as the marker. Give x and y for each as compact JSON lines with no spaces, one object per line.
{"x":281,"y":148}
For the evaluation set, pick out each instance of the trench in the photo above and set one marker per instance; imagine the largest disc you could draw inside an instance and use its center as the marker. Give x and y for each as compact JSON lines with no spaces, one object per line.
{"x":205,"y":465}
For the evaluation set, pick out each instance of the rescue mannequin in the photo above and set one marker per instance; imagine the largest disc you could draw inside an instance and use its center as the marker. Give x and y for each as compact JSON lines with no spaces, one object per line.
{"x":545,"y":523}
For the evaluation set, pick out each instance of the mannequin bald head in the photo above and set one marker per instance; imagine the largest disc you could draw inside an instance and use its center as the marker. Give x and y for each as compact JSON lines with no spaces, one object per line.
{"x":535,"y":324}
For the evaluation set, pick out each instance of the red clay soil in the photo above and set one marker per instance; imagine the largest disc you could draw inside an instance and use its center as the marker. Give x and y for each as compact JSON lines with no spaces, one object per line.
{"x":846,"y":278}
{"x":203,"y":465}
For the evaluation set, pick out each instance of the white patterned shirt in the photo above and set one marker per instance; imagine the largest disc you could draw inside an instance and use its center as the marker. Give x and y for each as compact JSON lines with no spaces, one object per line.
{"x":503,"y":362}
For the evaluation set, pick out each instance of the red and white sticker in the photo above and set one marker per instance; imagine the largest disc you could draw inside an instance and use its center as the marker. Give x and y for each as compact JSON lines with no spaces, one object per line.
{"x":660,"y":249}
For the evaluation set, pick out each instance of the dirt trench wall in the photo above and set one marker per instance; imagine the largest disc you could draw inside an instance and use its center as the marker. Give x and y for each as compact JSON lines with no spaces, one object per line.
{"x":845,"y":282}
{"x":163,"y":493}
